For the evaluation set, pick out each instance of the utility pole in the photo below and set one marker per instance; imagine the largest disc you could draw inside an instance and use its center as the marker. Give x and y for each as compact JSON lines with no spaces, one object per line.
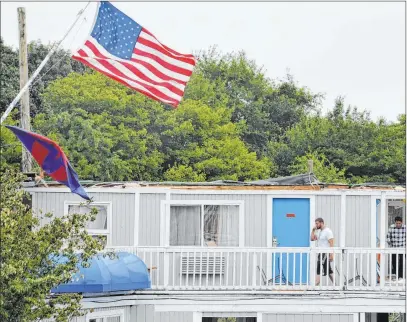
{"x":310,"y":166}
{"x":26,"y":164}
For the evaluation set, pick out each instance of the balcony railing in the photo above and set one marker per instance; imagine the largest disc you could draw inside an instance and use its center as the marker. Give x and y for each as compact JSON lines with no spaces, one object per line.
{"x":273,"y":269}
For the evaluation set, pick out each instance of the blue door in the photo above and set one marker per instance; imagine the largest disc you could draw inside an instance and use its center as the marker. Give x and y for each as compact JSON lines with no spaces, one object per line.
{"x":291,"y":228}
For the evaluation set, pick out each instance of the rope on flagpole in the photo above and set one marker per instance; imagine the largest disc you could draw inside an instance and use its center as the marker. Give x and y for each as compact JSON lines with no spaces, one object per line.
{"x":63,"y":56}
{"x":40,"y":67}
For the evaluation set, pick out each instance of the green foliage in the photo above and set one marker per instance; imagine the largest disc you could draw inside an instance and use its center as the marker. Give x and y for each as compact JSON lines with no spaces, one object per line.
{"x":205,"y":140}
{"x":112,"y":133}
{"x":233,"y":123}
{"x":324,"y":170}
{"x":59,"y":65}
{"x":365,"y":150}
{"x":103,"y":127}
{"x":28,"y":271}
{"x":266,"y":109}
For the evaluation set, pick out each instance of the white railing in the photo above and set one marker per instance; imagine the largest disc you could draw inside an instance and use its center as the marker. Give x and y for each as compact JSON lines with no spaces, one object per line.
{"x":353,"y":269}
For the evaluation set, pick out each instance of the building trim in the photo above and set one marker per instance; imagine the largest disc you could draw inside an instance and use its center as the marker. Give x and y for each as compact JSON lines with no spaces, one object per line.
{"x":341,"y":303}
{"x":392,"y":194}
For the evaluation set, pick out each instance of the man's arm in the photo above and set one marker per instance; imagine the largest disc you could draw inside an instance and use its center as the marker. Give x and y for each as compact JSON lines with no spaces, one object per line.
{"x":331,"y":244}
{"x":313,"y":236}
{"x":388,"y":237}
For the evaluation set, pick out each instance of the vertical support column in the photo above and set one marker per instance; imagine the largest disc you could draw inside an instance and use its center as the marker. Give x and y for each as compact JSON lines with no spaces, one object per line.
{"x":312,"y":254}
{"x":136,"y":218}
{"x":342,"y":238}
{"x":166,"y":253}
{"x":383,"y":214}
{"x":373,"y":243}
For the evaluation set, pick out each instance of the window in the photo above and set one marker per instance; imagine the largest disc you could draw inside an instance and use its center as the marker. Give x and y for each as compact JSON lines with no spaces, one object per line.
{"x":210,"y":225}
{"x":229,"y":319}
{"x":106,"y":316}
{"x":100,"y":227}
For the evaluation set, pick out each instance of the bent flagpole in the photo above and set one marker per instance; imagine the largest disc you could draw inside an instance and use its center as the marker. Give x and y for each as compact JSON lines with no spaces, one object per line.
{"x":40,"y":67}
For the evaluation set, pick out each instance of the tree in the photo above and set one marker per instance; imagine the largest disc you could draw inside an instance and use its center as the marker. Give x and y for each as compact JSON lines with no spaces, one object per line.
{"x":365,"y":150}
{"x":265,"y":109}
{"x":103,"y":127}
{"x":324,"y":170}
{"x":205,"y":140}
{"x":59,"y":65}
{"x":113,"y":133}
{"x":28,"y":251}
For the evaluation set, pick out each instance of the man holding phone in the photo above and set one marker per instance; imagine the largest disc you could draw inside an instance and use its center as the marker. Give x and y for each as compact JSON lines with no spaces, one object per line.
{"x":325,"y":239}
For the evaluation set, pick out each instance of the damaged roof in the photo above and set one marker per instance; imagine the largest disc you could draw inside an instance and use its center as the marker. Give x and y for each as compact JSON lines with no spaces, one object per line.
{"x":307,"y":181}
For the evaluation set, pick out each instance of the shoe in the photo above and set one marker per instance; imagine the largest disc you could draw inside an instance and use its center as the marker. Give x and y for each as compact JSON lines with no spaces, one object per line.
{"x":401,"y":280}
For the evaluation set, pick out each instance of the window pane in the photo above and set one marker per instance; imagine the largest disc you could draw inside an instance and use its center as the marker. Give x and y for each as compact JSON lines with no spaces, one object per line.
{"x":185,"y":226}
{"x":221,"y":225}
{"x":101,"y":218}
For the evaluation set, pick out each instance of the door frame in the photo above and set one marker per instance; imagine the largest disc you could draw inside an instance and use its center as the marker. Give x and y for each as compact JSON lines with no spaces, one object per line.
{"x":312,"y":210}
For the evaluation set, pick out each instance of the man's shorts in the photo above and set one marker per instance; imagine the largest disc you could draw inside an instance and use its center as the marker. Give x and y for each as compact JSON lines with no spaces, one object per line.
{"x":326,"y":265}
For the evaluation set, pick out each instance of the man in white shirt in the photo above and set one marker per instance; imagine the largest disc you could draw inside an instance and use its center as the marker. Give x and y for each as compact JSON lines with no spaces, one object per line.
{"x":324,"y":239}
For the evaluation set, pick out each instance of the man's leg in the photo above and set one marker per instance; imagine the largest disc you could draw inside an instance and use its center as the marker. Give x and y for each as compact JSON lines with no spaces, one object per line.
{"x":401,"y":266}
{"x":318,"y":277}
{"x":331,"y":272}
{"x":393,"y":264}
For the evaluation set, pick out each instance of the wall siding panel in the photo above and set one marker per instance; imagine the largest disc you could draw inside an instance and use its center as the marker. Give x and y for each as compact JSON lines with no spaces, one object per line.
{"x":272,"y":317}
{"x":358,"y":221}
{"x":149,"y":219}
{"x":329,"y":209}
{"x":142,"y":313}
{"x":173,"y":317}
{"x":123,"y":210}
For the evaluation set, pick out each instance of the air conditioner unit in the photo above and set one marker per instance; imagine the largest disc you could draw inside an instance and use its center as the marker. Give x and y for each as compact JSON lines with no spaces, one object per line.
{"x":203,"y":265}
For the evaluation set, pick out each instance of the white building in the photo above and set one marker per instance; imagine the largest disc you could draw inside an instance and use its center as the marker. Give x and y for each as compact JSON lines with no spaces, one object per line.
{"x":243,"y":250}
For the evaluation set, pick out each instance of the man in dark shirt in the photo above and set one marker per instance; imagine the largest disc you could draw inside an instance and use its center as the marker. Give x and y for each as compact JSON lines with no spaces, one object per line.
{"x":396,"y":238}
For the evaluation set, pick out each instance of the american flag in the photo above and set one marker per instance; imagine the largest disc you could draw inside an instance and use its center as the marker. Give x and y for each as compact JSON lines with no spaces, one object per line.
{"x":121,"y":49}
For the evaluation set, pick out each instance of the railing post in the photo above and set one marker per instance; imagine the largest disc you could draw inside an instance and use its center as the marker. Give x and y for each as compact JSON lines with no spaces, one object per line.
{"x":312,"y":267}
{"x":166,"y":268}
{"x":254,"y":270}
{"x":341,"y":281}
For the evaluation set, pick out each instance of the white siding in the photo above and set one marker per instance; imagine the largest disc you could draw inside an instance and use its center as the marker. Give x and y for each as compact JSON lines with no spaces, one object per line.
{"x":122,"y":211}
{"x":149,"y":219}
{"x":142,"y":313}
{"x":307,"y":317}
{"x":358,"y":221}
{"x":329,"y":208}
{"x":173,"y":317}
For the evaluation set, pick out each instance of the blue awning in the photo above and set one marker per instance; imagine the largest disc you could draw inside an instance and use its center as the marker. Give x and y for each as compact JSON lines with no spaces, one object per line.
{"x":125,"y":272}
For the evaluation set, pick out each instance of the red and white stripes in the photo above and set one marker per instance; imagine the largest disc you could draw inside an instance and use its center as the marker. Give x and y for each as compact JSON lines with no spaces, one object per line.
{"x":154,"y":70}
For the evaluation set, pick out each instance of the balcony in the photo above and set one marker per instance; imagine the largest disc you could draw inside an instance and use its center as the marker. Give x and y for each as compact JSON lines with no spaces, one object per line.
{"x":272,"y":269}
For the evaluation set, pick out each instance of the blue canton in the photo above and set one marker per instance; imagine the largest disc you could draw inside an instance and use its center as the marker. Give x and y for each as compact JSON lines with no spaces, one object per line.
{"x":115,"y":31}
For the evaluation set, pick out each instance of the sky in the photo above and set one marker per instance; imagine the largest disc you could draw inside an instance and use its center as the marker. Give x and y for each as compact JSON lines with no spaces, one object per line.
{"x":350,"y":49}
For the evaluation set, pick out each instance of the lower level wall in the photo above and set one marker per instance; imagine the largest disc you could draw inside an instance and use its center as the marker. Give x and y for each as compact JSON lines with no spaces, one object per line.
{"x":246,"y":308}
{"x":287,"y":317}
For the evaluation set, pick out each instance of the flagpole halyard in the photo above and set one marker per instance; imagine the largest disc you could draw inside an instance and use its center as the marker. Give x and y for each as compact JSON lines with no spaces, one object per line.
{"x":40,"y":67}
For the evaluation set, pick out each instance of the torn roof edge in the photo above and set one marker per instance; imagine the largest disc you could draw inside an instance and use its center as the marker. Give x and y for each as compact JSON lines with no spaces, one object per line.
{"x":303,"y":180}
